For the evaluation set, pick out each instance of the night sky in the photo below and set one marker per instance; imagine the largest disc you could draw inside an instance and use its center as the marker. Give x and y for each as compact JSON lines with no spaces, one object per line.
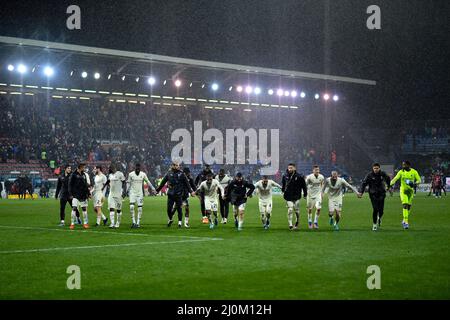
{"x":408,"y":56}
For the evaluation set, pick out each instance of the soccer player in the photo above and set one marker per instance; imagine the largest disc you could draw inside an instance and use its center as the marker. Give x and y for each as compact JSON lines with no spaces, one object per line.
{"x":333,"y":186}
{"x":237,"y":192}
{"x":98,"y":194}
{"x":79,"y":194}
{"x":293,"y":184}
{"x":198,"y":180}
{"x":408,"y":178}
{"x":185,"y":197}
{"x":437,"y":182}
{"x":136,"y":181}
{"x":314,"y":183}
{"x":62,"y":191}
{"x":117,"y":187}
{"x":224,"y":180}
{"x":378,"y":182}
{"x":177,"y":183}
{"x":264,"y":191}
{"x":211,"y":189}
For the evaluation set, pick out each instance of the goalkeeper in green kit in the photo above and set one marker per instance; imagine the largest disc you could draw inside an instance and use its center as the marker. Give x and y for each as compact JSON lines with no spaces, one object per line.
{"x":409,"y":178}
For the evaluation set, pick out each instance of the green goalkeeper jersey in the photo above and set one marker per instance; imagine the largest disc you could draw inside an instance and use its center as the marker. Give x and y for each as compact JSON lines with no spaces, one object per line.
{"x":407,"y":179}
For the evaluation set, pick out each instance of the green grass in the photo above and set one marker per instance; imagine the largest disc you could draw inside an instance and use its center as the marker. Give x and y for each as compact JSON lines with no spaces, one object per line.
{"x":252,"y":264}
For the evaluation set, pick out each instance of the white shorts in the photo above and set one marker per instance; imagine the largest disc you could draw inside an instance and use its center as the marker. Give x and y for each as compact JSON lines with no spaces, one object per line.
{"x":115,"y":203}
{"x":98,"y":199}
{"x":314,"y":202}
{"x":239,"y":207}
{"x":78,"y":203}
{"x":211,"y":204}
{"x":334,"y":204}
{"x":137,"y":199}
{"x":265,"y":206}
{"x":293,"y":205}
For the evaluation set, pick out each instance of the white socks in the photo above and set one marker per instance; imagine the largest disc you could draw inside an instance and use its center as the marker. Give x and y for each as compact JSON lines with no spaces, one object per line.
{"x":139,"y":215}
{"x":132,"y":213}
{"x":290,"y":217}
{"x":85,"y":216}
{"x":112,"y":216}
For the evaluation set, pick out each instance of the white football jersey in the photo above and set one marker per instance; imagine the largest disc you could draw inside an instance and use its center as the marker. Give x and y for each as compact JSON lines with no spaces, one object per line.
{"x":335,"y":191}
{"x":115,"y":184}
{"x":224,"y":181}
{"x":99,"y":182}
{"x":212,"y":190}
{"x":314,"y":185}
{"x":265,"y":193}
{"x":136,"y":183}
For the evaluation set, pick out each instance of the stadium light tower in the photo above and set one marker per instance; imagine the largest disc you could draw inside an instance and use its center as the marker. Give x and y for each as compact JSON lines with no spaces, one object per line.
{"x":293,"y":93}
{"x":326,"y":97}
{"x":257,"y":90}
{"x":335,"y":97}
{"x":96,"y":75}
{"x":48,"y":71}
{"x":248,"y":89}
{"x":280,"y":92}
{"x":10,"y":67}
{"x":177,"y":83}
{"x":84,"y":74}
{"x":270,"y":92}
{"x":302,"y":94}
{"x":287,"y":93}
{"x":239,"y":88}
{"x":316,"y":96}
{"x":21,"y":68}
{"x":214,"y":86}
{"x":151,"y":81}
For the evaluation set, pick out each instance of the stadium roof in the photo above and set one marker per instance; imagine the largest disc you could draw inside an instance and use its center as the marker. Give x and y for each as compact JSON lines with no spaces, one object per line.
{"x":180,"y":62}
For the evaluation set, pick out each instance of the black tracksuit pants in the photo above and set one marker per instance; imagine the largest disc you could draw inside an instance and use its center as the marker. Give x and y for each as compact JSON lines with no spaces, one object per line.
{"x":177,"y":201}
{"x":377,"y":200}
{"x":224,"y":208}
{"x":62,"y":208}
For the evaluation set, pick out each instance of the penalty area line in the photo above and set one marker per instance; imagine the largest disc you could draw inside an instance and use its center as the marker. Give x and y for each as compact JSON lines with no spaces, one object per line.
{"x":108,"y":246}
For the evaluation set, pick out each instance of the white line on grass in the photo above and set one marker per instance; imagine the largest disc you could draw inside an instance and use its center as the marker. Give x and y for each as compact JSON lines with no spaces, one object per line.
{"x":108,"y":232}
{"x":107,"y":246}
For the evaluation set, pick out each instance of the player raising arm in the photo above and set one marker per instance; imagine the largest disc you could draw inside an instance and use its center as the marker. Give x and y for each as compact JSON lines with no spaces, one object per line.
{"x":333,"y":186}
{"x":408,"y":179}
{"x":264,"y":191}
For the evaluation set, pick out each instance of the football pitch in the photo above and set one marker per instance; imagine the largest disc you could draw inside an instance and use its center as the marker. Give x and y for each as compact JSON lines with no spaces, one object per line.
{"x":157,"y":262}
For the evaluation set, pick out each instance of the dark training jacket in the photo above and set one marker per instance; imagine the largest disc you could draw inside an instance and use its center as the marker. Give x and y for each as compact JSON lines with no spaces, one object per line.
{"x":177,"y":183}
{"x":237,"y":191}
{"x":377,"y":182}
{"x":293,"y":185}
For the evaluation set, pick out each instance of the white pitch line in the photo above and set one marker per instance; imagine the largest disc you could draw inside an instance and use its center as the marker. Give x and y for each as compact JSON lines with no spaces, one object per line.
{"x":106,"y":246}
{"x":108,"y":232}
